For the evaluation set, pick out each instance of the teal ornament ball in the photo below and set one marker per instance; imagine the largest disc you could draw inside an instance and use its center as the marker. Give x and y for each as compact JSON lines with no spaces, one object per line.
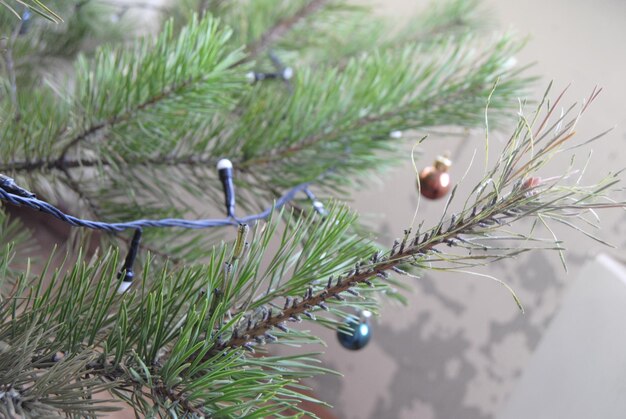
{"x":358,"y":336}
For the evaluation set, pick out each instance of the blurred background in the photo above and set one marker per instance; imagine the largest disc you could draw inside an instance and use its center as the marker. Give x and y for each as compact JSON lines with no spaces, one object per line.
{"x":459,"y":348}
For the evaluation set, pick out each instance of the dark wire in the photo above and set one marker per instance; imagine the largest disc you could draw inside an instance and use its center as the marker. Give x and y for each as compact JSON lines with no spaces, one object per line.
{"x":14,"y":197}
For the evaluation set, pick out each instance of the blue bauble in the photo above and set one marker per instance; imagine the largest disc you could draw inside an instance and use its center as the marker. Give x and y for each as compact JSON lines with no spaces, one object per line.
{"x":361,"y":333}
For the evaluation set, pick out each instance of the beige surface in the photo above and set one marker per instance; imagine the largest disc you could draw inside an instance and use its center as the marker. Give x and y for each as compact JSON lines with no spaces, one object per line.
{"x":574,"y":378}
{"x":459,"y":348}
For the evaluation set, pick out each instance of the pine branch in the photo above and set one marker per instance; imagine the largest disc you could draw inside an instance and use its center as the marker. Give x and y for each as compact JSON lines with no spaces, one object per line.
{"x":347,"y":132}
{"x":117,"y":90}
{"x":182,"y":77}
{"x":366,"y":272}
{"x":270,"y":36}
{"x":516,"y":195}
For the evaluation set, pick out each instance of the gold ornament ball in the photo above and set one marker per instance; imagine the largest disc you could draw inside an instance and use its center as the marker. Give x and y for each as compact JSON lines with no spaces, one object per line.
{"x":435,"y":180}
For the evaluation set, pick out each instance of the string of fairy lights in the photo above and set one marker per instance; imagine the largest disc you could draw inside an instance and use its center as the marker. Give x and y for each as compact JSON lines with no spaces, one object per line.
{"x":14,"y":194}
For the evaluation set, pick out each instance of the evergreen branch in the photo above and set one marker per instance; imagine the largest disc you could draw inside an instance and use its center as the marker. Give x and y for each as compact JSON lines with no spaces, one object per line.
{"x":128,"y":349}
{"x":321,"y":122}
{"x":346,"y":136}
{"x":178,"y":350}
{"x":364,"y":273}
{"x":172,"y":343}
{"x":268,"y":37}
{"x":168,"y":59}
{"x":117,"y":91}
{"x":525,"y":197}
{"x":111,"y":122}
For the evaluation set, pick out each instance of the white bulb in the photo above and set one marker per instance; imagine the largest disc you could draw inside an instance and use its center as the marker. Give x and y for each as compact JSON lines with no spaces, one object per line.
{"x":224,"y":164}
{"x":510,"y":63}
{"x":395,"y":134}
{"x":251,"y":77}
{"x":124,"y":286}
{"x":287,"y":73}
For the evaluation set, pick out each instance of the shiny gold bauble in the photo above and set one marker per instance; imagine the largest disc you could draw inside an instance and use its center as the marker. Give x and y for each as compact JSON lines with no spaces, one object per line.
{"x":435,"y":180}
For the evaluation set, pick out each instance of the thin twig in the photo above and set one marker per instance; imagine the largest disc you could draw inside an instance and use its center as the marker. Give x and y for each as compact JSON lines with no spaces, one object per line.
{"x":368,"y":273}
{"x":10,"y":67}
{"x":281,"y":28}
{"x":312,"y":140}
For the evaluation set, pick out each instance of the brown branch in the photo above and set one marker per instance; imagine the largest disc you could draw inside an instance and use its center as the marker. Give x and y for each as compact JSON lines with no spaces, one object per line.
{"x":360,"y":276}
{"x":58,"y":164}
{"x":10,"y":67}
{"x":282,"y":27}
{"x":123,"y":117}
{"x":179,"y":399}
{"x":62,"y":163}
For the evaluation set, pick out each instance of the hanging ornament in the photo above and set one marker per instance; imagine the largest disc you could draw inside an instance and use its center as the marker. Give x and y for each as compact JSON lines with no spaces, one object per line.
{"x":434,"y":181}
{"x":357,"y":332}
{"x":530,"y":185}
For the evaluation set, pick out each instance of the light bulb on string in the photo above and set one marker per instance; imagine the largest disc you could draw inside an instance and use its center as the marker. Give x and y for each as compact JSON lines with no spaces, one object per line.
{"x":127,"y":273}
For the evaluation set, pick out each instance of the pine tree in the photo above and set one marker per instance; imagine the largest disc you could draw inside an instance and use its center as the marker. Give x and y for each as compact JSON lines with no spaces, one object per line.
{"x":300,"y":96}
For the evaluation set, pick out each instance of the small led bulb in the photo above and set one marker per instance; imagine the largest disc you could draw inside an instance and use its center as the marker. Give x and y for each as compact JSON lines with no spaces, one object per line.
{"x":251,"y":76}
{"x":288,"y":73}
{"x":126,"y":282}
{"x":225,"y":172}
{"x":319,"y":207}
{"x":127,"y":269}
{"x":509,"y":63}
